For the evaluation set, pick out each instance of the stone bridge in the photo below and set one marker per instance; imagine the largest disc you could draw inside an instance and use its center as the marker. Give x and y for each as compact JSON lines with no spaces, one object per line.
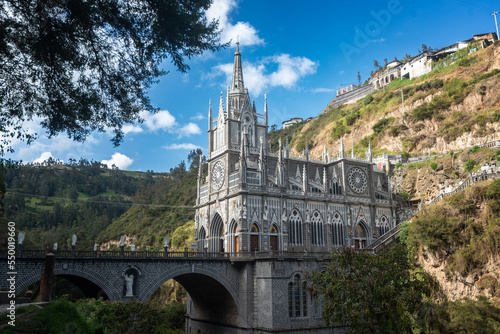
{"x":229,"y":293}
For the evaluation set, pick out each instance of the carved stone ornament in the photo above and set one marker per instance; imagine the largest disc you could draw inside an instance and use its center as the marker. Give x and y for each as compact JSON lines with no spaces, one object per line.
{"x":218,"y":174}
{"x":357,"y":179}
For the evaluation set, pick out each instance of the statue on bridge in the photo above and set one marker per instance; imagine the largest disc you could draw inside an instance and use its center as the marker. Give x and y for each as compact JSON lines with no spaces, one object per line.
{"x":129,"y":284}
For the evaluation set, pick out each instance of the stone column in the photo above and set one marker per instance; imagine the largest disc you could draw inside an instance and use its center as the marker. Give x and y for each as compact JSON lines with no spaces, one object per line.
{"x":47,"y":279}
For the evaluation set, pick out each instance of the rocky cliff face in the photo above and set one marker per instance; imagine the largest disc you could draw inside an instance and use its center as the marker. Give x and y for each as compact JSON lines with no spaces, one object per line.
{"x":456,"y":285}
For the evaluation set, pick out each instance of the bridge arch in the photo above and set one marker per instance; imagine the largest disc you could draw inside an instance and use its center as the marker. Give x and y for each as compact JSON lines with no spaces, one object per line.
{"x":79,"y":277}
{"x":213,"y":295}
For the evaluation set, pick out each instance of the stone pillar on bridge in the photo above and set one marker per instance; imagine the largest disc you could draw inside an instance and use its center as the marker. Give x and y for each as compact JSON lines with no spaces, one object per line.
{"x":47,"y":279}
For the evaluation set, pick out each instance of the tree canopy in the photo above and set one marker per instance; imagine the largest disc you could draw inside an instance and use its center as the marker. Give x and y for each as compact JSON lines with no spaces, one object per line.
{"x":85,"y":65}
{"x":371,"y":293}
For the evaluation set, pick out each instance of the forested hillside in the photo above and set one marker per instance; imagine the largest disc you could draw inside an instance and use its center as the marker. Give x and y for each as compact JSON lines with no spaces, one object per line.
{"x":163,"y":206}
{"x":53,"y":201}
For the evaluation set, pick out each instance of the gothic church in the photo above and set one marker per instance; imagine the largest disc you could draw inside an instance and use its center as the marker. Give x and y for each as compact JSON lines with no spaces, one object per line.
{"x":254,"y":200}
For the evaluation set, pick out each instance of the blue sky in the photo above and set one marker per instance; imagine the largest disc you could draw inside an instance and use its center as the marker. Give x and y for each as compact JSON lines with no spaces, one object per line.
{"x":298,"y":53}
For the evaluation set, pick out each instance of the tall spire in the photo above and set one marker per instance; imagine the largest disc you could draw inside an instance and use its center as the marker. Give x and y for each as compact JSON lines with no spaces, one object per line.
{"x":237,"y":83}
{"x":265,"y":108}
{"x":261,"y":155}
{"x":370,"y":157}
{"x":221,"y":110}
{"x":210,"y":115}
{"x":342,"y":151}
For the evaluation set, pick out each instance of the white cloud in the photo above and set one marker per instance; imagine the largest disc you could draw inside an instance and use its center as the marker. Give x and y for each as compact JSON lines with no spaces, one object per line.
{"x":119,"y":160}
{"x":322,"y":90}
{"x":243,"y":31}
{"x":161,"y":120}
{"x":289,"y":71}
{"x":189,"y":129}
{"x":198,"y":117}
{"x":61,"y":145}
{"x":183,"y":146}
{"x":43,"y":157}
{"x":129,"y":128}
{"x":255,"y":78}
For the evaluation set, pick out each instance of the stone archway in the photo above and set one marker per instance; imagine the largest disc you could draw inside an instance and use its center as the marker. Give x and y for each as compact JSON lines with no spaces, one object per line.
{"x":360,"y":236}
{"x":88,"y":280}
{"x":213,"y":295}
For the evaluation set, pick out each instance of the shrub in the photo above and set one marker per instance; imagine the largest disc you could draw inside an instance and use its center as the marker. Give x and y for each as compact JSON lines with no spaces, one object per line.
{"x":351,"y":118}
{"x":368,"y":100}
{"x":468,"y":316}
{"x":433,"y":229}
{"x":422,"y":112}
{"x":485,"y":76}
{"x":437,"y":83}
{"x":474,"y":149}
{"x":394,"y":131}
{"x":466,"y":62}
{"x":434,"y":165}
{"x":481,"y":119}
{"x":440,"y":102}
{"x":469,"y":164}
{"x":338,"y":131}
{"x":381,"y":124}
{"x":496,"y":116}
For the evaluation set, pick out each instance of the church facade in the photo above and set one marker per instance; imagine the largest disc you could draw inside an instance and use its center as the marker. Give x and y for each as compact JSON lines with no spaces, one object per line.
{"x":254,"y":200}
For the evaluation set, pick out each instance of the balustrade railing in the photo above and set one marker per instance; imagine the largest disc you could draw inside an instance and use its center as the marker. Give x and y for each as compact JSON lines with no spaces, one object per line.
{"x":187,"y":254}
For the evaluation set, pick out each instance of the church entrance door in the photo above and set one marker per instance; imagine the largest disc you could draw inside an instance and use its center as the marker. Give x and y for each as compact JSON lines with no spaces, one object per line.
{"x":274,"y":242}
{"x":360,"y":236}
{"x":254,"y":243}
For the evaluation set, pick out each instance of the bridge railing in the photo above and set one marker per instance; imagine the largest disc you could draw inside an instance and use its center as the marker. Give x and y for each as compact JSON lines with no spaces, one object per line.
{"x":29,"y":253}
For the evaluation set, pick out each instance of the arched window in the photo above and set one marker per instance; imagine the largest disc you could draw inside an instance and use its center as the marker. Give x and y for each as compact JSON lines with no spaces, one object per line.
{"x":254,"y":238}
{"x":384,"y":225}
{"x":317,"y":229}
{"x":202,"y":238}
{"x":337,"y":230}
{"x":295,"y":228}
{"x":297,"y":297}
{"x":273,"y":238}
{"x":335,"y":186}
{"x":233,"y":237}
{"x":216,"y":235}
{"x":360,"y":235}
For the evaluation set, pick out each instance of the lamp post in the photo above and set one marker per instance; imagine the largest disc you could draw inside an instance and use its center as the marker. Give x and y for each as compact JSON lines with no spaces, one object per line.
{"x":73,"y":244}
{"x":122,"y":245}
{"x":20,"y":239}
{"x":165,"y":246}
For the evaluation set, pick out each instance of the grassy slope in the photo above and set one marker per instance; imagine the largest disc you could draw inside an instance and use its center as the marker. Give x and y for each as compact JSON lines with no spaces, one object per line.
{"x":458,"y":99}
